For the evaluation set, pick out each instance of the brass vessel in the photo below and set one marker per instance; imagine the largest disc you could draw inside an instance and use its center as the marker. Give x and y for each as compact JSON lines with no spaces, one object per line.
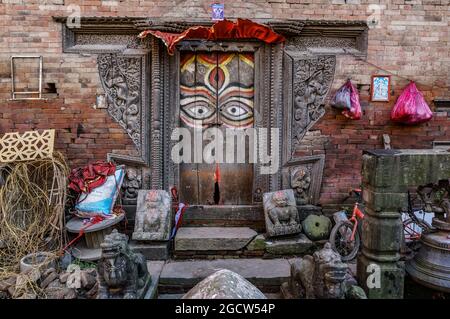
{"x":431,"y":265}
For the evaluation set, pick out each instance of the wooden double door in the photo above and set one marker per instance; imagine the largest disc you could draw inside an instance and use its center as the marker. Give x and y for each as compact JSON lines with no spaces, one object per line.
{"x":217,"y":91}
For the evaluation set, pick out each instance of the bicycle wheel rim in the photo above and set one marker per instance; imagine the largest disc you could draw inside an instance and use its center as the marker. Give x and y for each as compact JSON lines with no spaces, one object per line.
{"x":341,"y":243}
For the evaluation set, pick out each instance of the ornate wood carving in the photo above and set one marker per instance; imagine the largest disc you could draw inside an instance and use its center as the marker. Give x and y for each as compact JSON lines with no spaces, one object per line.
{"x":308,"y":80}
{"x":297,"y":77}
{"x":121,"y":79}
{"x":157,"y":125}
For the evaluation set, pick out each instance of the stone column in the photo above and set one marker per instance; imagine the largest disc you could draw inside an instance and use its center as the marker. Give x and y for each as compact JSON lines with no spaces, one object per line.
{"x":386,"y":177}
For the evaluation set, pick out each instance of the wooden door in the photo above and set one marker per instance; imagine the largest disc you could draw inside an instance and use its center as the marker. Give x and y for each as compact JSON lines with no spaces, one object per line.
{"x":217,"y":90}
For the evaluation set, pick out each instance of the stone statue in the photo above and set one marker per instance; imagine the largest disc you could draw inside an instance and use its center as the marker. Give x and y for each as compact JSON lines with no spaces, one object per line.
{"x":131,"y":184}
{"x":321,"y":276}
{"x":281,"y":213}
{"x":300,"y":182}
{"x":121,"y":273}
{"x":153,"y":215}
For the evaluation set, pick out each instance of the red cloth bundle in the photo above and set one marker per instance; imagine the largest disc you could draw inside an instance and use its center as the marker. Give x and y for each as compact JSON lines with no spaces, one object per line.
{"x":85,"y":179}
{"x":221,"y":30}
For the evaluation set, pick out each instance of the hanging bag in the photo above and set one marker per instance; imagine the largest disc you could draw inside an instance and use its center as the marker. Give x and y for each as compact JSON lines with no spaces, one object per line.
{"x":411,"y":108}
{"x":347,"y":99}
{"x":341,"y":99}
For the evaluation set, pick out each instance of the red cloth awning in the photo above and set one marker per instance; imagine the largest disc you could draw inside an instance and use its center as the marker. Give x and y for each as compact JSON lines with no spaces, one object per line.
{"x":221,"y":30}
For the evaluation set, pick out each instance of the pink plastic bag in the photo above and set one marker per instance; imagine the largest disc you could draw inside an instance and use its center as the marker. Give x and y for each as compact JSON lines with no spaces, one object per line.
{"x":411,"y":107}
{"x":347,"y":98}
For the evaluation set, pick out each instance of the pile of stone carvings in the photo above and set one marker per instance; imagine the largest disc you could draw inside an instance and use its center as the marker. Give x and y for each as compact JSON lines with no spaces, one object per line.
{"x":69,"y":284}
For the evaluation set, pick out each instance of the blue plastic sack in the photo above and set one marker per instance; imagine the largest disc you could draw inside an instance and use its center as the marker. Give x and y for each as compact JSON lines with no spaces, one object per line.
{"x":100,"y":201}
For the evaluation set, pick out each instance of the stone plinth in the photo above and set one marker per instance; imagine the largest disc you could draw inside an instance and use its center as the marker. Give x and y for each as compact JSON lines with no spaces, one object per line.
{"x":213,"y":238}
{"x":153,"y":216}
{"x":386,"y":177}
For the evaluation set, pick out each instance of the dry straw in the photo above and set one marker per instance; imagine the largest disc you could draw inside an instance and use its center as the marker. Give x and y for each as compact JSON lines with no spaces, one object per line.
{"x":32,"y":200}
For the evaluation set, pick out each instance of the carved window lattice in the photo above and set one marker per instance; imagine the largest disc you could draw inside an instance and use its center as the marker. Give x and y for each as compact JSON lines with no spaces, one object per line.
{"x":27,"y":146}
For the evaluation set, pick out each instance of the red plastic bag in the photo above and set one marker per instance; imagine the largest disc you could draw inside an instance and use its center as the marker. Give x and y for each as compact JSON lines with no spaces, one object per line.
{"x":352,"y":108}
{"x":411,"y":107}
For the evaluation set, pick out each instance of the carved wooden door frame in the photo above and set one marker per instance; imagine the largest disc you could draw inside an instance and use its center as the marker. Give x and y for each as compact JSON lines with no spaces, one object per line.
{"x":268,"y":78}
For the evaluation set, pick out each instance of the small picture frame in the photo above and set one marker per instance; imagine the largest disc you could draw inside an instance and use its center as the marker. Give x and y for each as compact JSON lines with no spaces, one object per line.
{"x":217,"y":13}
{"x":380,"y":88}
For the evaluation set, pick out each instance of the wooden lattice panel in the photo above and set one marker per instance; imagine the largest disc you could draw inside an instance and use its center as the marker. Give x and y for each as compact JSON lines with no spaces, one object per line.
{"x":27,"y":146}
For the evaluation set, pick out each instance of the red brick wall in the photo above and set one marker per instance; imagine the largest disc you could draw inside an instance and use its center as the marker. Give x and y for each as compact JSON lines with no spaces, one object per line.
{"x":413,"y":41}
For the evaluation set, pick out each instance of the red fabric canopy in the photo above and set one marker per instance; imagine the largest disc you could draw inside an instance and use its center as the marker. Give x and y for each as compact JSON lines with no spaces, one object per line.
{"x":221,"y":30}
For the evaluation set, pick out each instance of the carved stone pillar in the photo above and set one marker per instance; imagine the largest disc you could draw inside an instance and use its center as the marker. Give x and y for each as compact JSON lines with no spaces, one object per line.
{"x":387,"y":175}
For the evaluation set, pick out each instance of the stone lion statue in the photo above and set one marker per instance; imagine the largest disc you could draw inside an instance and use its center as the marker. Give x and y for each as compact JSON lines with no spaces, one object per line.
{"x":282,"y":212}
{"x":321,"y":276}
{"x":121,"y":272}
{"x":150,"y":222}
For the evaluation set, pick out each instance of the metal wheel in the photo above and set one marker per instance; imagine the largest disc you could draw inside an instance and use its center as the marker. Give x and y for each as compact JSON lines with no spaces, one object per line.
{"x":411,"y":230}
{"x":340,"y":240}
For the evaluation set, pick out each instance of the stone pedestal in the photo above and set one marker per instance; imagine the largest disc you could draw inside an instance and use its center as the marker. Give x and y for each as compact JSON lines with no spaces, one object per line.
{"x":152,"y":250}
{"x":387,"y":175}
{"x":296,"y":245}
{"x":153,"y":224}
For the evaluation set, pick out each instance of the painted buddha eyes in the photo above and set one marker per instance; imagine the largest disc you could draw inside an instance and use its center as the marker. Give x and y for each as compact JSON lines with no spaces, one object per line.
{"x":199,"y":111}
{"x":217,"y":89}
{"x":234,"y":111}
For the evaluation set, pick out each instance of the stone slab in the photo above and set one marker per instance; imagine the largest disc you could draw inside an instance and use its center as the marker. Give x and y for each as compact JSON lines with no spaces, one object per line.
{"x":412,"y":167}
{"x":289,"y":246}
{"x":213,"y":238}
{"x":260,"y":272}
{"x":223,"y":212}
{"x":153,"y":215}
{"x":258,"y":243}
{"x":154,"y":269}
{"x":152,"y":250}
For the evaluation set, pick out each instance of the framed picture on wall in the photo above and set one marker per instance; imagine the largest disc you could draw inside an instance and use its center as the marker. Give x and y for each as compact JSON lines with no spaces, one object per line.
{"x":380,"y":89}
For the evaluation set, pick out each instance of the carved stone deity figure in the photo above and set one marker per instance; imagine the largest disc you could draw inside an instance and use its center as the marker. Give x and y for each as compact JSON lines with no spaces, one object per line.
{"x":121,"y":272}
{"x":281,"y":213}
{"x":300,"y":183}
{"x":131,"y":184}
{"x":153,"y":215}
{"x":321,"y":276}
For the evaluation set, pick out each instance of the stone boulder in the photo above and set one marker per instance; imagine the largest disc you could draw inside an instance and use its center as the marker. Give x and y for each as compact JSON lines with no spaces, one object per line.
{"x":317,"y":227}
{"x":224,"y":284}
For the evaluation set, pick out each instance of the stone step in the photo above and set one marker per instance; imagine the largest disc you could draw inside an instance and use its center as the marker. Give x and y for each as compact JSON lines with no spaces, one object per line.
{"x":225,"y":216}
{"x":154,"y":269}
{"x":213,"y":238}
{"x":177,"y":277}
